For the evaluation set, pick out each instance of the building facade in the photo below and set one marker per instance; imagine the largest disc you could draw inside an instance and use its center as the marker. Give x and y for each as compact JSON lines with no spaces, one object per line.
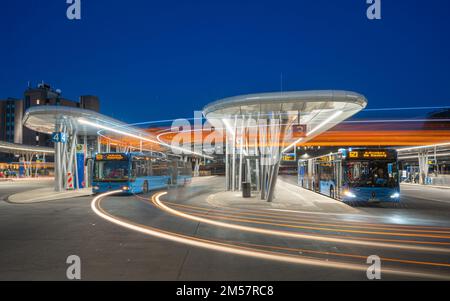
{"x":12,"y":111}
{"x":10,"y":120}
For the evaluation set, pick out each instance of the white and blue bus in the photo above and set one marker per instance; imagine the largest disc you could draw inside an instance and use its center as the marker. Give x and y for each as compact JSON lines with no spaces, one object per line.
{"x":137,"y":172}
{"x":353,"y":175}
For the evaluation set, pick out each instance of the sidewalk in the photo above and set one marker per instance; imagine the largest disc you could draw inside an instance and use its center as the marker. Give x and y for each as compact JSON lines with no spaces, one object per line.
{"x":288,"y":197}
{"x":46,"y":194}
{"x":425,"y":186}
{"x":27,"y":179}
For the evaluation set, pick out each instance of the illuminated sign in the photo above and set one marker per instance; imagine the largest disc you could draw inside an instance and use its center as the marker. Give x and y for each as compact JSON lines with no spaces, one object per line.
{"x":369,"y":154}
{"x":375,"y":154}
{"x":59,"y":137}
{"x":353,"y":155}
{"x":110,"y":157}
{"x":299,"y":130}
{"x":288,"y":157}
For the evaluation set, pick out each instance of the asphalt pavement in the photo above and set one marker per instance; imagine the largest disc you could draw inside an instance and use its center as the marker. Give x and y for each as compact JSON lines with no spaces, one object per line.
{"x":37,"y":238}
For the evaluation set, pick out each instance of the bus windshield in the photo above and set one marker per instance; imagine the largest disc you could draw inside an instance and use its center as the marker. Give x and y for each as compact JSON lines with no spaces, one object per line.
{"x":111,"y":171}
{"x":372,"y":174}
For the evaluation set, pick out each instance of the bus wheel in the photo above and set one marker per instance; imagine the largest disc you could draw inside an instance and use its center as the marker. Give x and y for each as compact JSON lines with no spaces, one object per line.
{"x":145,"y":187}
{"x":332,"y":192}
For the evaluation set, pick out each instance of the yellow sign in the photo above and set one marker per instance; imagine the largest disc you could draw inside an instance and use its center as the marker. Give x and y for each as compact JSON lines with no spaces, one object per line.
{"x":109,"y":157}
{"x":353,"y":155}
{"x":289,"y":157}
{"x":375,"y":154}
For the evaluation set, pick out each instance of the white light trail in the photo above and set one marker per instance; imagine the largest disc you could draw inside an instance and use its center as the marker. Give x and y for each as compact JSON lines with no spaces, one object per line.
{"x":325,"y":122}
{"x":37,"y":150}
{"x":243,"y":251}
{"x":431,"y":155}
{"x":423,"y":146}
{"x":157,"y":201}
{"x":322,"y":124}
{"x":107,"y":128}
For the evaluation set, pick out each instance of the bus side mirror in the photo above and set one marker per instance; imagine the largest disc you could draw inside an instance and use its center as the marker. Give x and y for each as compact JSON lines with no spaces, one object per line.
{"x":86,"y":162}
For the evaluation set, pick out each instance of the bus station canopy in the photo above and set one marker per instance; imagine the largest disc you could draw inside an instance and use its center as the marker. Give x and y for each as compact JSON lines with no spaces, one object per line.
{"x":14,"y":148}
{"x":45,"y":119}
{"x":309,"y":112}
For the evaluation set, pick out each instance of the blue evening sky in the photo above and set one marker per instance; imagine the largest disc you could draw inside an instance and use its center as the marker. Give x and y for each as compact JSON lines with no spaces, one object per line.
{"x":151,"y":60}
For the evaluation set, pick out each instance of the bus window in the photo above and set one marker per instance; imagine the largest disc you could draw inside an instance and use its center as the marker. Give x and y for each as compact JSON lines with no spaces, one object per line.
{"x":139,"y":168}
{"x":371,"y":174}
{"x":111,"y":170}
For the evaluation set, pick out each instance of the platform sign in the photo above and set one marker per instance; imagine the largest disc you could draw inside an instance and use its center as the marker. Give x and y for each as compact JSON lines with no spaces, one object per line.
{"x":299,"y":130}
{"x":371,"y":154}
{"x":21,"y":169}
{"x":80,"y":169}
{"x":288,"y":157}
{"x":59,"y":137}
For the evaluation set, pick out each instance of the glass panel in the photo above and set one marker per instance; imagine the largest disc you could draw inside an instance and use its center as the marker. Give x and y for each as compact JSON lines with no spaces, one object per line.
{"x":111,"y":171}
{"x":371,"y":174}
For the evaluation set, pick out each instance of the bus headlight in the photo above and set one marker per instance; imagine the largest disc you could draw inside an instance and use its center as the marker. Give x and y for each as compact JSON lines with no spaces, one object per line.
{"x":95,"y":187}
{"x":395,"y":195}
{"x":125,"y":188}
{"x":349,"y":194}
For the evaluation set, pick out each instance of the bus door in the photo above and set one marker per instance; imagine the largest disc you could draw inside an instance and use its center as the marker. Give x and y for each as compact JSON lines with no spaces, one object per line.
{"x":338,"y":177}
{"x":302,"y":174}
{"x":173,"y":172}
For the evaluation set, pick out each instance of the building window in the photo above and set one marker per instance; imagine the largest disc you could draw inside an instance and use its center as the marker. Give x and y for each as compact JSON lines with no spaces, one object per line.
{"x":27,"y":102}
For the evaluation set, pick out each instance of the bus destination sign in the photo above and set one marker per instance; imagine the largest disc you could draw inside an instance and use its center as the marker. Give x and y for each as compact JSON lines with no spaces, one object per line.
{"x":110,"y":157}
{"x":369,"y":154}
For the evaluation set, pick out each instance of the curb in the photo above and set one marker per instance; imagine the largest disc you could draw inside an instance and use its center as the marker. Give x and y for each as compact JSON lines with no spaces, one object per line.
{"x":6,"y":199}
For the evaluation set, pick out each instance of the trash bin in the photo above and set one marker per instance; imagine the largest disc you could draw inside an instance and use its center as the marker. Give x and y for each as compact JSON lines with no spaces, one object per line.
{"x":246,"y":190}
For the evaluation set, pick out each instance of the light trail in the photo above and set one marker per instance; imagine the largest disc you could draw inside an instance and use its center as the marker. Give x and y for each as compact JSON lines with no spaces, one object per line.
{"x":363,"y":257}
{"x":243,"y":251}
{"x":319,"y":126}
{"x":406,"y":108}
{"x":420,"y":242}
{"x":422,"y":146}
{"x":261,"y":222}
{"x":403,"y":241}
{"x":83,"y":121}
{"x":228,"y":213}
{"x":364,"y":110}
{"x":268,"y":222}
{"x":156,"y":200}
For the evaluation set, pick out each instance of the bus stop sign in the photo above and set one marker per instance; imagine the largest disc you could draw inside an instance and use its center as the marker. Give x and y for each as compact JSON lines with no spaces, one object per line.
{"x":59,"y":137}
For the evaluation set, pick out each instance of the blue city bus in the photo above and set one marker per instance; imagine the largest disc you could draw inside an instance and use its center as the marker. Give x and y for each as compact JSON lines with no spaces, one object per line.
{"x":137,"y":172}
{"x":353,"y":175}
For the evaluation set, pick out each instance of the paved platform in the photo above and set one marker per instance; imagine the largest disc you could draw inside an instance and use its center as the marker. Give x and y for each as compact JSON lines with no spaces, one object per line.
{"x":287,"y":197}
{"x":426,"y":186}
{"x":29,"y":179}
{"x":46,"y":194}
